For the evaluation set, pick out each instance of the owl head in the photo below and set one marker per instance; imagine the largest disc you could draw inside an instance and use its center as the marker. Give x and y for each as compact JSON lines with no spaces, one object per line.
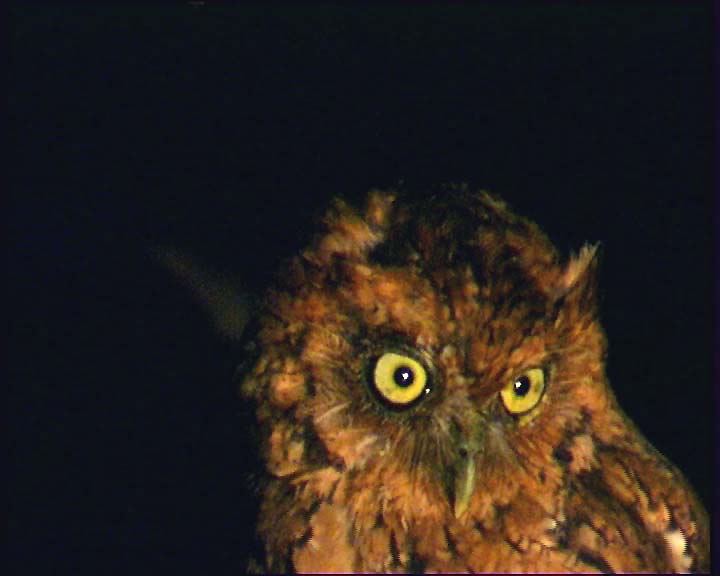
{"x":445,"y":342}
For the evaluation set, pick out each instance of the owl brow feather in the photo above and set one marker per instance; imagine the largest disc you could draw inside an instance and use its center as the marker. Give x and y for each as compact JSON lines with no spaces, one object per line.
{"x":332,"y":332}
{"x":568,"y":380}
{"x":564,"y":349}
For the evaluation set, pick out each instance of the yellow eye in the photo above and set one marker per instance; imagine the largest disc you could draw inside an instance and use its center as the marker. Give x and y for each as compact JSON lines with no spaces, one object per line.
{"x":400,"y":380}
{"x":524,"y":392}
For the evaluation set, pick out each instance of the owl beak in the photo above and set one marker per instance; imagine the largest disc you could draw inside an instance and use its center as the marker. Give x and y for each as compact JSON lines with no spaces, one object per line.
{"x":464,"y":472}
{"x":464,"y":485}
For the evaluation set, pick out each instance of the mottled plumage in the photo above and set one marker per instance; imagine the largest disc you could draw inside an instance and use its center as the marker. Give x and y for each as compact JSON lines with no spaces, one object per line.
{"x":432,"y":395}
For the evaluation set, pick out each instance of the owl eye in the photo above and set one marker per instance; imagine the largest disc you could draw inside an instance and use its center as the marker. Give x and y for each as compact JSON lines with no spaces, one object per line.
{"x":524,"y":393}
{"x":400,"y":380}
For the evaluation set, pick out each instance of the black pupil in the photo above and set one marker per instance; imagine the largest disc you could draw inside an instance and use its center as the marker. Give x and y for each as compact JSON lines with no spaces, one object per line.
{"x":522,"y":386}
{"x":403,"y":376}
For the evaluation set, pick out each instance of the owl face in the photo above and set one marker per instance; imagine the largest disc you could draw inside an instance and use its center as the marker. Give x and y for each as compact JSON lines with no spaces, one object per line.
{"x":433,"y":395}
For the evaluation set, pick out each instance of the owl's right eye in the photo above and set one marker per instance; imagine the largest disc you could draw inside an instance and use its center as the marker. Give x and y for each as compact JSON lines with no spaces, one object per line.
{"x":399,"y":380}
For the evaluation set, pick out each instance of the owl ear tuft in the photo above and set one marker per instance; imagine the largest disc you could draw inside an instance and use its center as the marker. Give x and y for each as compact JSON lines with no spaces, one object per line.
{"x":576,"y":284}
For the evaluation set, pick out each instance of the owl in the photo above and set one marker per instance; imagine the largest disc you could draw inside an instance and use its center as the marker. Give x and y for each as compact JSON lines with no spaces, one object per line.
{"x":431,"y":395}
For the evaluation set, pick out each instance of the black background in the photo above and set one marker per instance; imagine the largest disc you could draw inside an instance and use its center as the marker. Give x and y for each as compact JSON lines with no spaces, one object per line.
{"x":223,"y":132}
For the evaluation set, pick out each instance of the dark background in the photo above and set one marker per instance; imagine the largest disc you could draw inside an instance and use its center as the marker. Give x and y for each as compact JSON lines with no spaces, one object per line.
{"x":223,"y":132}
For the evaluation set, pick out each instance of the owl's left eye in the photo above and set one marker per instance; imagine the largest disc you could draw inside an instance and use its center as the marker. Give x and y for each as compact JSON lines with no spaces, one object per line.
{"x":524,"y":392}
{"x":400,"y":380}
